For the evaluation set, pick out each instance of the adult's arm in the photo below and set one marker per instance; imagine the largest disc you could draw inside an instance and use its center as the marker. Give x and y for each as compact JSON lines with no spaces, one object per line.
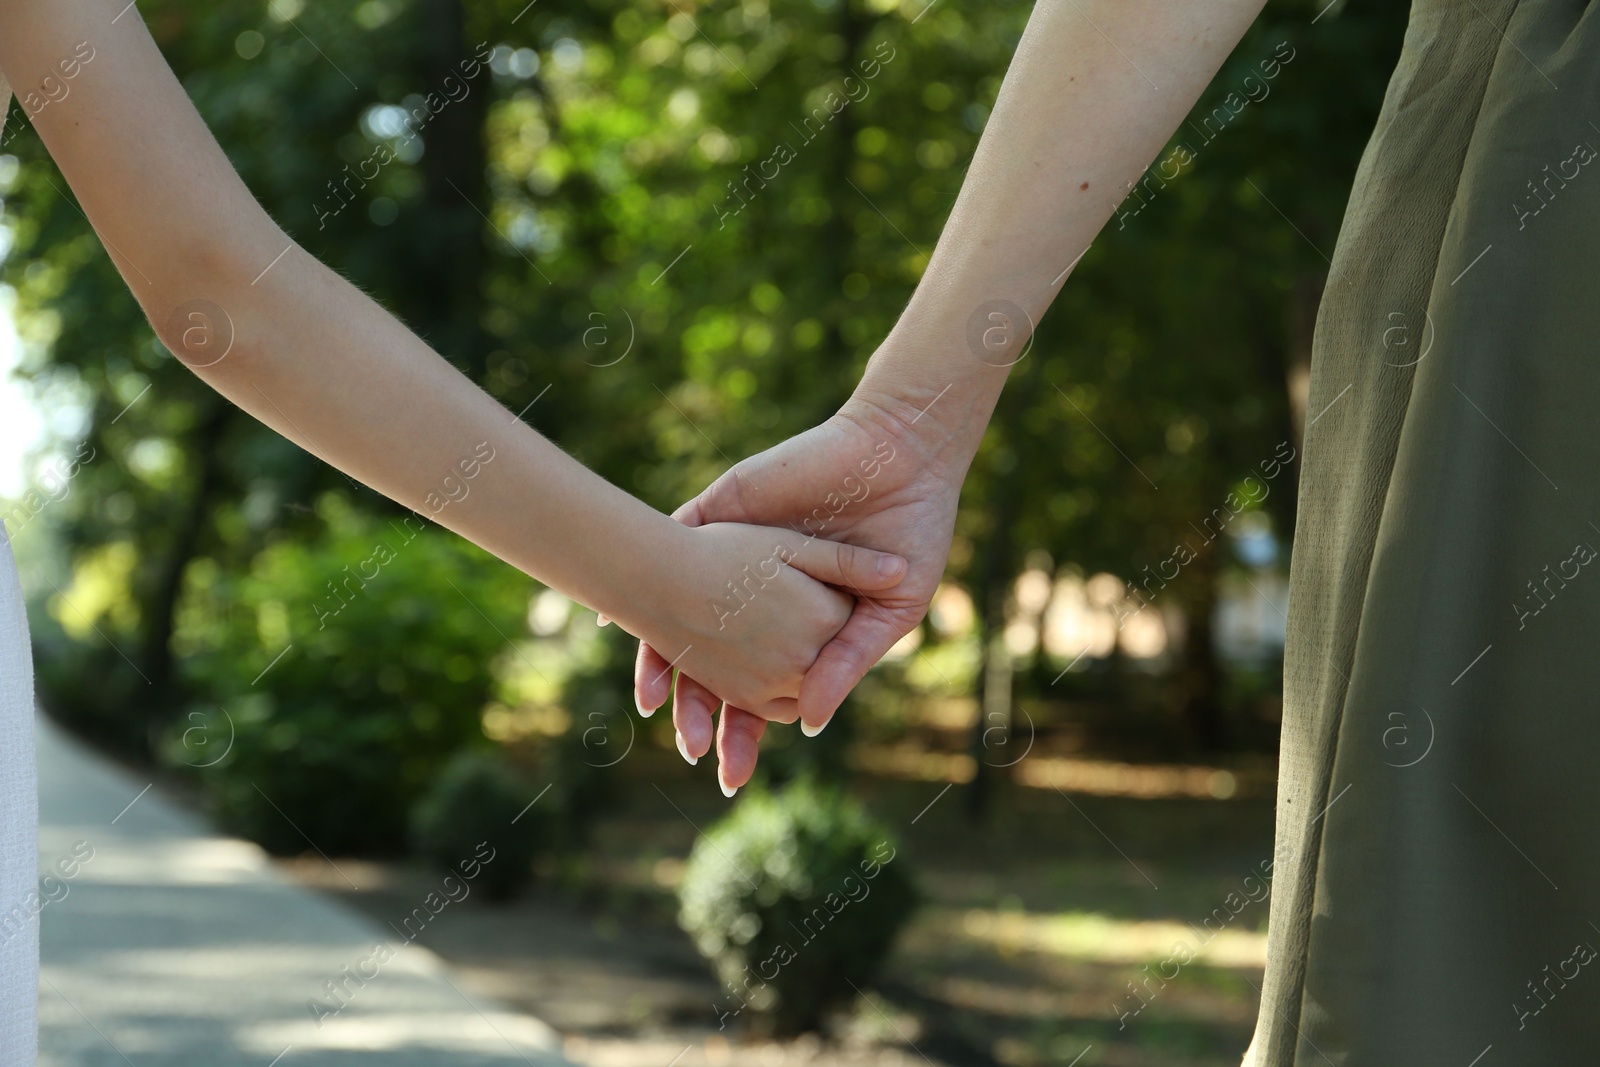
{"x":1094,"y":91}
{"x":297,"y":346}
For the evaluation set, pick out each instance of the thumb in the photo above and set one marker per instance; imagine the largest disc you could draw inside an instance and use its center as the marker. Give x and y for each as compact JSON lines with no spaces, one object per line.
{"x":721,"y":501}
{"x":850,"y":567}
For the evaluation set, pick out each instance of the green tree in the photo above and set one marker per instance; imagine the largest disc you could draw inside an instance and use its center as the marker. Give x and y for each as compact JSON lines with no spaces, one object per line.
{"x":671,"y":234}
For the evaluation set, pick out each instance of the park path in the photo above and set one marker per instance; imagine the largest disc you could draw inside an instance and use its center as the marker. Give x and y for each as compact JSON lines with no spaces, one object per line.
{"x":172,"y":946}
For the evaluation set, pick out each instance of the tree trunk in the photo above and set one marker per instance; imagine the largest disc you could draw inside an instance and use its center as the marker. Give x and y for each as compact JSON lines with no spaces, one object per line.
{"x":840,"y":235}
{"x":996,"y":681}
{"x":1200,"y":673}
{"x":992,"y":734}
{"x":161,"y":607}
{"x":444,"y":297}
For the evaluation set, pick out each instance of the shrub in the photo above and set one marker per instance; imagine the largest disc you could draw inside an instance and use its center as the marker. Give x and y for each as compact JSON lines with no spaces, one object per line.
{"x":387,"y":635}
{"x":480,"y":797}
{"x":791,"y":898}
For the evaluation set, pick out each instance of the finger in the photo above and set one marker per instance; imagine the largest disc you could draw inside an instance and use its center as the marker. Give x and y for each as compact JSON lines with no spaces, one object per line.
{"x":843,"y":662}
{"x":783,"y":709}
{"x":652,"y":680}
{"x":738,"y":744}
{"x":848,"y":566}
{"x":692,"y":708}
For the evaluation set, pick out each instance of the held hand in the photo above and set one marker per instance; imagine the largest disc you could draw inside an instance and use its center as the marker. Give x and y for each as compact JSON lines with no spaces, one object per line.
{"x":745,"y":608}
{"x":866,"y":477}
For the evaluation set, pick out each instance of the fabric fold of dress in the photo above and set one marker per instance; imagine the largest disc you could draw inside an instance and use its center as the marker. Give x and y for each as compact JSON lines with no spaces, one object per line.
{"x":1436,"y":891}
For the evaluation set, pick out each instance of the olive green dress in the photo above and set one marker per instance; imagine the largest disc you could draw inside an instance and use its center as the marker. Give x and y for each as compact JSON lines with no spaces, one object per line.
{"x":1436,"y":892}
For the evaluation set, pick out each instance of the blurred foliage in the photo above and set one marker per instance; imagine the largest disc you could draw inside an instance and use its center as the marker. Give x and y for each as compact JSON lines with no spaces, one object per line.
{"x":352,"y":664}
{"x":788,"y":754}
{"x":583,"y":761}
{"x":795,"y":899}
{"x":649,"y":228}
{"x":480,"y":799}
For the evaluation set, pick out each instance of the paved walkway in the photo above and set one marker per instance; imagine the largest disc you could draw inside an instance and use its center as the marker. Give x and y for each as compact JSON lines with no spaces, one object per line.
{"x":174,"y":947}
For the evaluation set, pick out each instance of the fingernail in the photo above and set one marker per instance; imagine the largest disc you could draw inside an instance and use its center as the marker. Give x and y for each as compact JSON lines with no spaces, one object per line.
{"x":683,"y":750}
{"x":644,"y":712}
{"x":601,"y":620}
{"x":727,"y":790}
{"x":812,"y":731}
{"x":889,"y":566}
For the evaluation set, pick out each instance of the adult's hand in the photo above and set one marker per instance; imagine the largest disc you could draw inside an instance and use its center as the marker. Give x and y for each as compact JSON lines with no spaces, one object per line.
{"x":874,"y":476}
{"x":1075,"y":116}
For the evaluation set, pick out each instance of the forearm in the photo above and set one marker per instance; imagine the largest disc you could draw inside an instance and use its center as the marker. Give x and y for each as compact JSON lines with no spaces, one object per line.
{"x":305,"y":351}
{"x":1095,"y":90}
{"x":317,"y":361}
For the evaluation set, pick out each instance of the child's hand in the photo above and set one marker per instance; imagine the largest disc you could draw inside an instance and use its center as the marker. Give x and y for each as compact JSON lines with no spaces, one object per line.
{"x":746,"y":610}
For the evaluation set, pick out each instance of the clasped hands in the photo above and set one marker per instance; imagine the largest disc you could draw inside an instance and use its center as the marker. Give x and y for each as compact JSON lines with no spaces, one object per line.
{"x":862,"y":503}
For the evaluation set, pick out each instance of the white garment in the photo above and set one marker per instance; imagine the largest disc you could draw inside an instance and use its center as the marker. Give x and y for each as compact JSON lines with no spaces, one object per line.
{"x":19,"y":809}
{"x":19,"y":828}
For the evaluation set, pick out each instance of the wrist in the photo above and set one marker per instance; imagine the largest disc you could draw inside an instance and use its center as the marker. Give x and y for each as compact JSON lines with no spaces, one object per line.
{"x":698,"y":576}
{"x":923,"y":395}
{"x":645,"y":581}
{"x":676,"y":571}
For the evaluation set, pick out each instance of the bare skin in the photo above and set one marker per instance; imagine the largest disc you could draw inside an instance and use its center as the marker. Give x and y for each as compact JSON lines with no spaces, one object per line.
{"x":291,"y":342}
{"x":1094,"y":92}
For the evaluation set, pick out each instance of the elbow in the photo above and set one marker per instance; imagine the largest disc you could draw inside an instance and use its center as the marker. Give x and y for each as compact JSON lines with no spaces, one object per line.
{"x":201,"y":316}
{"x":199,"y":332}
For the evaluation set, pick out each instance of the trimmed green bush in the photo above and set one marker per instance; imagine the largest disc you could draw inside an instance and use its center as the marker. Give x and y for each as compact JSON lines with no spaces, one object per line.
{"x":350,"y":669}
{"x":480,"y":798}
{"x":792,"y":897}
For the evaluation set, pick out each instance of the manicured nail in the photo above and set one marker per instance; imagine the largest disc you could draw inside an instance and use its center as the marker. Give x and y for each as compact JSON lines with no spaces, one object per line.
{"x":601,"y":620}
{"x":644,"y":712}
{"x":727,"y":790}
{"x":812,"y":731}
{"x":889,"y":566}
{"x":683,"y":750}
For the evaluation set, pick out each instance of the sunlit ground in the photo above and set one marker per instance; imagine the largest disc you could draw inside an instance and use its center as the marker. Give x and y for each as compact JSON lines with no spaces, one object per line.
{"x":1128,"y":931}
{"x":1101,"y":915}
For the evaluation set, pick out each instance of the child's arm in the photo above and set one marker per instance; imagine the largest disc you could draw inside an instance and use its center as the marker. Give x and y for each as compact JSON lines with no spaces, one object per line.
{"x":312,"y":357}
